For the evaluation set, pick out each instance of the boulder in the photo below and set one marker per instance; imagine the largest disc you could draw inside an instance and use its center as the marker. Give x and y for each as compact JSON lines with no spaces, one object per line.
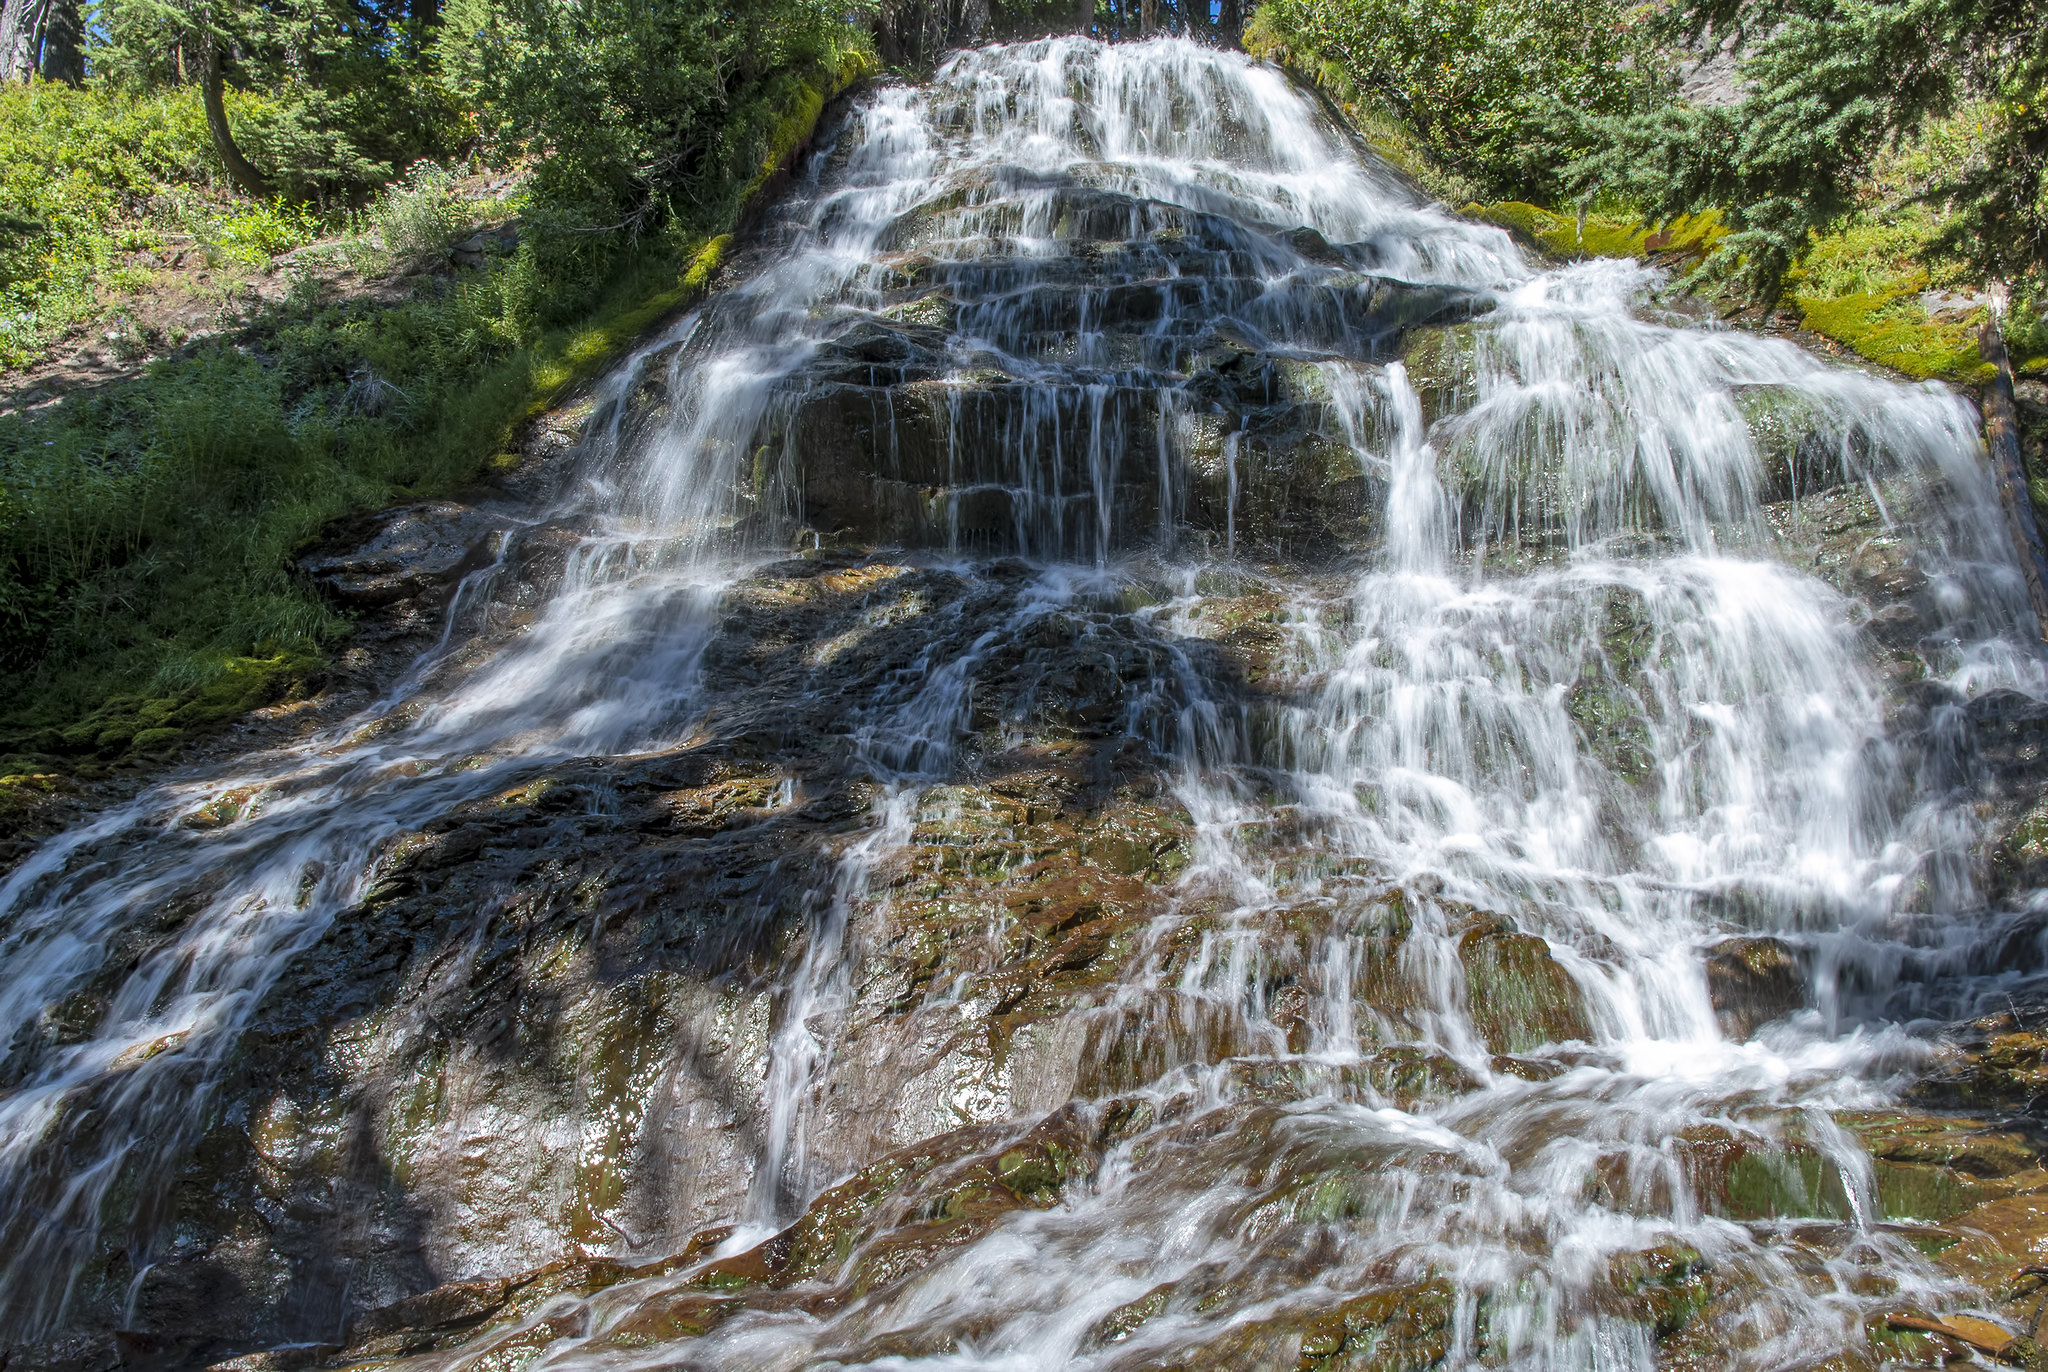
{"x":1517,"y":994}
{"x":1754,"y":980}
{"x":399,"y":554}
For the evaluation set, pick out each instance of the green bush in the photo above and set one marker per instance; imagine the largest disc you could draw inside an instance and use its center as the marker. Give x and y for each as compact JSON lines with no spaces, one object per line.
{"x":417,"y":218}
{"x":1830,"y":92}
{"x":1495,"y":91}
{"x":81,"y":173}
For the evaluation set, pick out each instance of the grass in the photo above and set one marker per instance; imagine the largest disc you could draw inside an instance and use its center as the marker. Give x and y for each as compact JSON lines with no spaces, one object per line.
{"x":147,"y":531}
{"x":160,"y":521}
{"x":89,"y":178}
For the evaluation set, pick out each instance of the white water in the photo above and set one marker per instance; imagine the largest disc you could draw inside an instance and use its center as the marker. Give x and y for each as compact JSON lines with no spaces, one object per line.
{"x":1587,"y":456}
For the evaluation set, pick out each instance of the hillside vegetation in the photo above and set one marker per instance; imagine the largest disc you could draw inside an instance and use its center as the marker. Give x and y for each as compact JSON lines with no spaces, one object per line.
{"x":265,"y":264}
{"x":342,"y":337}
{"x":1876,"y":164}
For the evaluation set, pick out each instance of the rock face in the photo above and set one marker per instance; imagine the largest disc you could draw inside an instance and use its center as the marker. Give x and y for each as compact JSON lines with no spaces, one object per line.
{"x":1097,"y":394}
{"x":550,"y":1019}
{"x":411,"y":551}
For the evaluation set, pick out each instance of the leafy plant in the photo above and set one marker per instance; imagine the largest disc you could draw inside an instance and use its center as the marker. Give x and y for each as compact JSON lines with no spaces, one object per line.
{"x":1492,"y":89}
{"x":419,"y":216}
{"x":1829,"y":89}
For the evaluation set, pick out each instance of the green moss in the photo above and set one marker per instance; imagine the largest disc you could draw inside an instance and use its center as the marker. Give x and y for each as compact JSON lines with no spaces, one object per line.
{"x":2028,"y":840}
{"x":1689,"y":237}
{"x":133,"y":722}
{"x":793,"y":128}
{"x":1668,"y":1285}
{"x":1892,"y":329}
{"x":1793,"y":1184}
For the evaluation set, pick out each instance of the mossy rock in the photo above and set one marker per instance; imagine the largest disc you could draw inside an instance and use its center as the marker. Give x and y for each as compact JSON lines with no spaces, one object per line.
{"x":26,"y":794}
{"x":901,"y":1213}
{"x":1518,"y":996}
{"x":1689,"y":237}
{"x":1752,"y":981}
{"x":1936,"y":1167}
{"x":1399,"y":1329}
{"x":1664,"y":1287}
{"x":1995,"y":1063}
{"x":1747,"y":1176}
{"x":134,"y":723}
{"x":2023,"y":851}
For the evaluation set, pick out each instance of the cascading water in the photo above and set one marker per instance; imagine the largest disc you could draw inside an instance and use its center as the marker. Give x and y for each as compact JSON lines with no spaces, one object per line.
{"x":1475,"y":628}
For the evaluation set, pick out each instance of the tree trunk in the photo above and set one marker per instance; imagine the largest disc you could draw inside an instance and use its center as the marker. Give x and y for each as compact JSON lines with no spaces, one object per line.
{"x":21,"y":23}
{"x":64,"y":43}
{"x":240,"y":170}
{"x":2002,"y":438}
{"x":1230,"y":23}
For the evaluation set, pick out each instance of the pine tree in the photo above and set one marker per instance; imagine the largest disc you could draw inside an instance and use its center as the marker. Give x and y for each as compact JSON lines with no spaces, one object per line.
{"x":1828,"y":86}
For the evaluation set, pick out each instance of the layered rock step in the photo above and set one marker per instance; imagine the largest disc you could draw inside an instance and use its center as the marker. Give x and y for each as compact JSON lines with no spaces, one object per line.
{"x":1070,"y":372}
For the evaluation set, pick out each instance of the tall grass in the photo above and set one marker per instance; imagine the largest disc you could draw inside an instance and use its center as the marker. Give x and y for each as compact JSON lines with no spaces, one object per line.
{"x":147,"y":533}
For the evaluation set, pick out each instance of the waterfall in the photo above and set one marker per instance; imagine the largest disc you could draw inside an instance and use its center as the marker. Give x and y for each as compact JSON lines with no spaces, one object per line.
{"x":1492,"y":634}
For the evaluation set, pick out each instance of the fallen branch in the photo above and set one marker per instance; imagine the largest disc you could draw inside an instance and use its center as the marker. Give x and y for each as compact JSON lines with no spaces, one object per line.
{"x":2002,"y":440}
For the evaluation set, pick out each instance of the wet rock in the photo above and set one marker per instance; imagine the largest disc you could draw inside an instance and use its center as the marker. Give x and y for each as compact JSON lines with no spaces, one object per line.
{"x":402,"y":553}
{"x":448,"y":1314}
{"x":1611,"y":720}
{"x":587,"y":951}
{"x":1802,"y":453}
{"x":1518,"y":995}
{"x":903,"y":1211}
{"x":291,"y":1358}
{"x":452,"y":1306}
{"x":1405,"y":1327}
{"x":893,"y":433}
{"x":1405,"y":1076}
{"x":1996,"y":1062}
{"x":1752,"y":981}
{"x":82,"y":1353}
{"x":1775,"y":1173}
{"x":34,"y":805}
{"x":1665,"y":1287}
{"x":2001,"y":1247}
{"x":2021,"y":853}
{"x":1936,"y":1167}
{"x":1131,"y":1045}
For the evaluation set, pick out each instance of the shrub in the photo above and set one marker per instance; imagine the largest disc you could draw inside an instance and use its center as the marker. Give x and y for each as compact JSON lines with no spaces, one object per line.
{"x":1494,"y":90}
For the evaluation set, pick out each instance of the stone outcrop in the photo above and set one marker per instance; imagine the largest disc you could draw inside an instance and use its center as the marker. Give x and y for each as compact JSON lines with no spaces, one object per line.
{"x":1752,"y":981}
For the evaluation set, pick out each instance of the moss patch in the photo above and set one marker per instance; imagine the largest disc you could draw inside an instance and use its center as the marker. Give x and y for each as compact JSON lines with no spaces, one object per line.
{"x":132,"y":723}
{"x":1891,"y":328}
{"x":1688,"y":238}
